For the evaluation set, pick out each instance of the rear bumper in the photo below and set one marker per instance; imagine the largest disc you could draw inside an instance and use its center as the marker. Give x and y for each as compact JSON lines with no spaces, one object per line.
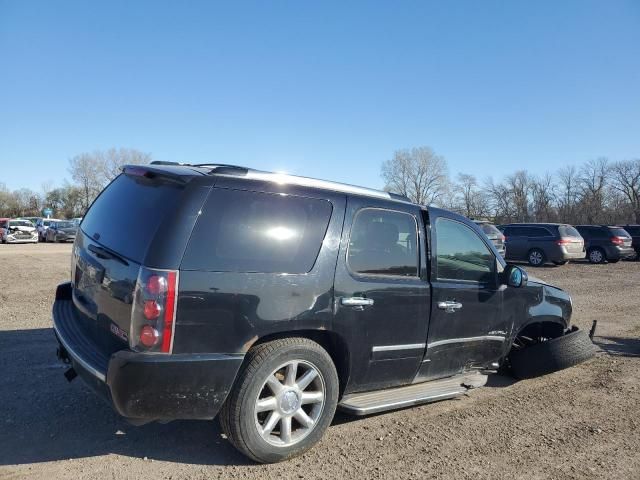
{"x":563,"y":254}
{"x":145,"y":386}
{"x":616,"y":253}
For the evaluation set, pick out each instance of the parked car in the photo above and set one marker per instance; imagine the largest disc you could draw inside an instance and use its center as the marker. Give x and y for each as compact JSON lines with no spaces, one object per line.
{"x":42,"y":225}
{"x":539,"y":243}
{"x":270,"y":300}
{"x":20,"y":231}
{"x":4,"y":225}
{"x":61,"y":231}
{"x":76,"y":220}
{"x":605,"y":243}
{"x":634,"y":231}
{"x":493,"y":234}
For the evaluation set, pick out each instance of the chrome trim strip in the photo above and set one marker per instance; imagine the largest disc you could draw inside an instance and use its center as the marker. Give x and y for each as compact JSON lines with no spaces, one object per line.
{"x":448,"y":341}
{"x":388,"y":348}
{"x":91,"y":369}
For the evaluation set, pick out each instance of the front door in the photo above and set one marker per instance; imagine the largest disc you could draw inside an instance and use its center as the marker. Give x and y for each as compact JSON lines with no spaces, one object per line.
{"x":467,"y":328}
{"x":382,"y":303}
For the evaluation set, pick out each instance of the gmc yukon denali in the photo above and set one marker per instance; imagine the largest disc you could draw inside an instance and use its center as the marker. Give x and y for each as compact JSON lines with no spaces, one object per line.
{"x":270,"y":300}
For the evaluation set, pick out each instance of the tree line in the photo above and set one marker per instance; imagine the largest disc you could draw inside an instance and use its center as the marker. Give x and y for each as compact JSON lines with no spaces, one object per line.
{"x":598,"y":191}
{"x":90,"y":173}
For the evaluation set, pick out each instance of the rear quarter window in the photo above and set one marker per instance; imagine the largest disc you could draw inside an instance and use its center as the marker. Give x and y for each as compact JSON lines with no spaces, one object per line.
{"x":244,"y":231}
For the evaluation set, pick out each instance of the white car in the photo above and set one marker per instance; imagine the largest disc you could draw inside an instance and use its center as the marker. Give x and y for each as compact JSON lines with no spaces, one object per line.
{"x":20,"y":231}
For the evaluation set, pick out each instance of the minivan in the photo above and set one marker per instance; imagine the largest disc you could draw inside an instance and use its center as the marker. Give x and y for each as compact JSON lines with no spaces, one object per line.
{"x":270,"y":300}
{"x":606,"y":243}
{"x":539,"y":243}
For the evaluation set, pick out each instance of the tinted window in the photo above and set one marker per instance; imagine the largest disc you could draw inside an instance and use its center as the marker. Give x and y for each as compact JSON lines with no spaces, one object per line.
{"x":633,"y":230}
{"x":461,"y":254}
{"x":128,"y":212}
{"x":537,"y":232}
{"x":383,"y":242}
{"x":242,"y":231}
{"x":568,"y":231}
{"x":593,"y":232}
{"x":619,"y":232}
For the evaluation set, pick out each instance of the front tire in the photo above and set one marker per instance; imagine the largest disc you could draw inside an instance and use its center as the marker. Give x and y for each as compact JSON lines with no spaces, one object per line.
{"x":283,"y":400}
{"x":536,"y":257}
{"x":552,"y":355}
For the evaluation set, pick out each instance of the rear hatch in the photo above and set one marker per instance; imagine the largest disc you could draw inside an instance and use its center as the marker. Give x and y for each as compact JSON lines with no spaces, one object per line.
{"x":140,"y":218}
{"x":625,"y":239}
{"x":570,"y":239}
{"x":493,"y":234}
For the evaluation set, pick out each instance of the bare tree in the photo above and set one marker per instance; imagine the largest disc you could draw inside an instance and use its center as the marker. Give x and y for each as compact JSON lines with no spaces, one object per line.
{"x":593,"y":179}
{"x":543,"y":198}
{"x":417,"y":173}
{"x":469,"y":199}
{"x":499,"y":198}
{"x":626,"y":180}
{"x":86,"y":171}
{"x":568,"y":195}
{"x":519,"y":185}
{"x":114,"y":159}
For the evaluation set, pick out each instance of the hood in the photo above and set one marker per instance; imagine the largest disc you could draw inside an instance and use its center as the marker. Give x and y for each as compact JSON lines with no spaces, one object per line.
{"x":541,"y":282}
{"x":22,"y":229}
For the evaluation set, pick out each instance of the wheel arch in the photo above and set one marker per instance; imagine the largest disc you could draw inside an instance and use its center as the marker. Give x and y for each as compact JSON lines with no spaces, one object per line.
{"x":332,"y":342}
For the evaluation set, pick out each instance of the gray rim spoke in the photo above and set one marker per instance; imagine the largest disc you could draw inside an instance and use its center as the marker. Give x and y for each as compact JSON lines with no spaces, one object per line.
{"x":307,"y":378}
{"x":266,"y":404}
{"x":285,"y":429}
{"x":312,"y":397}
{"x":291,"y":373}
{"x":274,"y":384}
{"x":270,"y":424}
{"x":303,"y":418}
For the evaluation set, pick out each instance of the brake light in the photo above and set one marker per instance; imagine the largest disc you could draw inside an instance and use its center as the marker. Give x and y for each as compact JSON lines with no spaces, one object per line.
{"x":153,"y":313}
{"x":564,"y":241}
{"x":617,"y":240}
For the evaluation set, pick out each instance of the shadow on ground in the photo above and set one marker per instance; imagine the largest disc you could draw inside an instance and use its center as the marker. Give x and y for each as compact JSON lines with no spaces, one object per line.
{"x":619,"y":346}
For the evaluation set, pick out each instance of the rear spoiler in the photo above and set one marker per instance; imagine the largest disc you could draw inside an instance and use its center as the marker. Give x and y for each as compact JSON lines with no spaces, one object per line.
{"x":149,"y":172}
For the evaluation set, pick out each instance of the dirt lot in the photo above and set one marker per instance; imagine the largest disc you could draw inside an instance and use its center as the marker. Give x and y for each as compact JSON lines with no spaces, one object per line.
{"x":579,"y":423}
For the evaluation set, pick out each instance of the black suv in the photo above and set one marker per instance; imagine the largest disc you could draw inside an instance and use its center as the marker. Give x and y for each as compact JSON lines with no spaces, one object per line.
{"x":634,"y":231}
{"x":605,"y":243}
{"x":270,"y":300}
{"x":539,"y":243}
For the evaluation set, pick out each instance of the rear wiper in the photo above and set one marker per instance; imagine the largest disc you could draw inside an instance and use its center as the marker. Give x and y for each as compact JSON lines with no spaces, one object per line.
{"x":102,"y":252}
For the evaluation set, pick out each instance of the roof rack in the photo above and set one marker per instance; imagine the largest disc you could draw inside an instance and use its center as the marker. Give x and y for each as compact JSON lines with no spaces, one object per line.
{"x":284,"y":178}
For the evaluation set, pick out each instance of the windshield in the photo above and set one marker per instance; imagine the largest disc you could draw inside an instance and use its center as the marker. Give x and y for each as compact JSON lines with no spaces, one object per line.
{"x":20,"y":223}
{"x":568,"y":231}
{"x":65,"y":225}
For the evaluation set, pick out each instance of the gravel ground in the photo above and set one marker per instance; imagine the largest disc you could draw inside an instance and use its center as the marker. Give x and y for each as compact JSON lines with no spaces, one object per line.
{"x":581,"y":423}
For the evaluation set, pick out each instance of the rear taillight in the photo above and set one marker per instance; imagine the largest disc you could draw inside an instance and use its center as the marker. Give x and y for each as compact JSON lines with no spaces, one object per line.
{"x":617,"y":240}
{"x":154,"y":310}
{"x":564,"y":241}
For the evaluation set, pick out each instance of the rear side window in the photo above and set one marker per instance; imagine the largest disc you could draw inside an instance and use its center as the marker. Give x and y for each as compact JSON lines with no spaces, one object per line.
{"x":594,"y":232}
{"x":619,"y":232}
{"x":383,"y":242}
{"x":633,"y":230}
{"x":242,"y":231}
{"x":126,"y":215}
{"x":568,"y":231}
{"x":537,"y":232}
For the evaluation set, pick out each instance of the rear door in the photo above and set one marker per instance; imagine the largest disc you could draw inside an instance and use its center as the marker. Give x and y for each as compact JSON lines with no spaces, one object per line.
{"x":467,"y":327}
{"x":130,"y":224}
{"x":516,"y":242}
{"x":382,"y":296}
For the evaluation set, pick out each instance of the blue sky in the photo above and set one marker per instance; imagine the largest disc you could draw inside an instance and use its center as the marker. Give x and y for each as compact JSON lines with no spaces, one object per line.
{"x":320,"y":89}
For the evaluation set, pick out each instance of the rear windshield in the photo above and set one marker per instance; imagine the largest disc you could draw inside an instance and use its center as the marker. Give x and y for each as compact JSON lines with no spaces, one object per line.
{"x":568,"y":231}
{"x":619,"y":232}
{"x":128,"y":212}
{"x":490,"y":230}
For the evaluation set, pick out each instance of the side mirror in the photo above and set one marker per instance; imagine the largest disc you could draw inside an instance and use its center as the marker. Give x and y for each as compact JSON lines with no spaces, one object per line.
{"x":515,"y":276}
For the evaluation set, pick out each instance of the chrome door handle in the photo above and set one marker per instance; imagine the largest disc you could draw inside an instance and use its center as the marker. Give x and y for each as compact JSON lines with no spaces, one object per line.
{"x":356,"y":301}
{"x":449,"y":306}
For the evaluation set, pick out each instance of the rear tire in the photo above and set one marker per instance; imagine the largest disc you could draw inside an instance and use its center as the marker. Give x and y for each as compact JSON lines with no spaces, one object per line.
{"x":270,"y":414}
{"x":596,"y":255}
{"x":536,"y":257}
{"x":552,"y":355}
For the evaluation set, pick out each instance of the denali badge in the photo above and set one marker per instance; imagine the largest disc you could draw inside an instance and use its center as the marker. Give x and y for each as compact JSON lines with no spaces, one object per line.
{"x":118,"y":332}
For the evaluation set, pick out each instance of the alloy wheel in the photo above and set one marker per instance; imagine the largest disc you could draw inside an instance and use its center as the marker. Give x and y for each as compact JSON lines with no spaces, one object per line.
{"x":290,"y":403}
{"x":535,"y":258}
{"x":596,"y":256}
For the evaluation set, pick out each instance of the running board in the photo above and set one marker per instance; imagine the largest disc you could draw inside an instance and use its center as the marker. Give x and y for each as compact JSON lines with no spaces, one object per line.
{"x":392,"y":398}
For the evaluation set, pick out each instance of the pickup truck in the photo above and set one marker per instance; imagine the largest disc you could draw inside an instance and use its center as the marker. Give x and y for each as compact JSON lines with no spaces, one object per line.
{"x":270,"y":300}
